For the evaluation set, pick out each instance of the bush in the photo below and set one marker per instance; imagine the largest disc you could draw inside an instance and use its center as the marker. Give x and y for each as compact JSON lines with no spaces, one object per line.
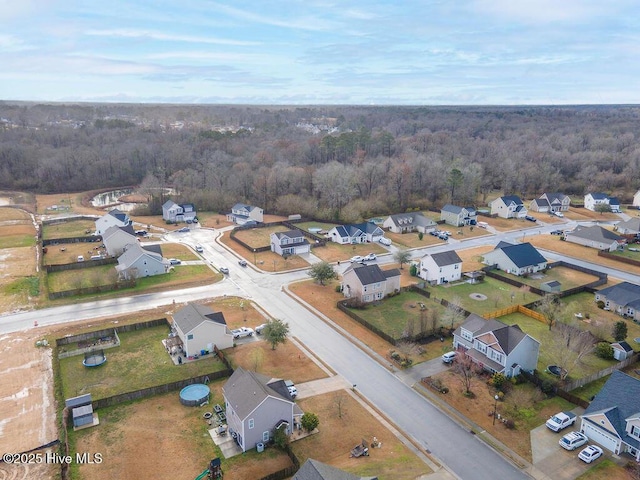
{"x":420,"y":236}
{"x":280,"y":438}
{"x":338,"y":288}
{"x":444,"y":390}
{"x":413,"y":270}
{"x":604,"y":350}
{"x":510,"y":424}
{"x":548,"y":387}
{"x":498,"y":380}
{"x":600,"y":304}
{"x":309,"y":421}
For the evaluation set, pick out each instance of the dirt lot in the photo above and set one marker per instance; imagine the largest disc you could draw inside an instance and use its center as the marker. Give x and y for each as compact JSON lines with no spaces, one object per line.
{"x":267,"y":261}
{"x":334,"y":252}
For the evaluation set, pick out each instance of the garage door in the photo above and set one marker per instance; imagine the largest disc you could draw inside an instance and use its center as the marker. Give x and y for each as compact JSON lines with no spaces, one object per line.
{"x":594,"y":433}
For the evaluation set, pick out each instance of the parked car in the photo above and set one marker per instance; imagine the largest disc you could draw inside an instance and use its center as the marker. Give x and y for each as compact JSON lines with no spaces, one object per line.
{"x":242,"y":263}
{"x":449,"y":357}
{"x":293,"y":391}
{"x":224,"y":270}
{"x":189,"y":220}
{"x":183,"y":229}
{"x":559,"y":214}
{"x":591,"y":453}
{"x":573,"y":440}
{"x":175,"y":261}
{"x":556,"y":232}
{"x":242,"y":332}
{"x":443,"y":236}
{"x":530,"y":218}
{"x":370,"y":257}
{"x":385,"y":241}
{"x":561,"y":420}
{"x":141,"y":233}
{"x":483,"y":224}
{"x":356,"y":259}
{"x":80,"y":258}
{"x":259,"y":328}
{"x":199,"y":249}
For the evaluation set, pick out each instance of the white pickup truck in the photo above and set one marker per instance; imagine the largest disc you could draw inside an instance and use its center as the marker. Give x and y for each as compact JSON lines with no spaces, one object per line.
{"x":242,"y":332}
{"x":561,"y":421}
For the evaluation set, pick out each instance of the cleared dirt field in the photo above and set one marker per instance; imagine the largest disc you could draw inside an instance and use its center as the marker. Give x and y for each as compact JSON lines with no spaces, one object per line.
{"x":580,"y":214}
{"x":267,"y":261}
{"x":69,"y":203}
{"x":334,"y":252}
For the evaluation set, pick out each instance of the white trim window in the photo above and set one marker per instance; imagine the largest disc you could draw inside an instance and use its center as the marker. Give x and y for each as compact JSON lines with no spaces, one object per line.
{"x":251,"y":423}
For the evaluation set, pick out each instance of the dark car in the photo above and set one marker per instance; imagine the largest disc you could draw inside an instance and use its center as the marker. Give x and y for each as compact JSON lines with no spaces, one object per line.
{"x":556,"y":232}
{"x":530,"y":218}
{"x":242,"y":263}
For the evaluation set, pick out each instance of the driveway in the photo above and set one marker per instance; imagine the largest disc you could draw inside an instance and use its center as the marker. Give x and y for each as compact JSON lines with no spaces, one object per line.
{"x":553,"y":460}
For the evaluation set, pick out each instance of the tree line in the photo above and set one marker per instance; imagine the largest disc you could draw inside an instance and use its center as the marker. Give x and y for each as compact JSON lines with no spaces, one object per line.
{"x":333,"y":162}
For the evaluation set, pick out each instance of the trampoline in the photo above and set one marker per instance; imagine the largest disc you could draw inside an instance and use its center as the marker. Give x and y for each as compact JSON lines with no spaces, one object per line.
{"x":194,"y":395}
{"x":95,"y":358}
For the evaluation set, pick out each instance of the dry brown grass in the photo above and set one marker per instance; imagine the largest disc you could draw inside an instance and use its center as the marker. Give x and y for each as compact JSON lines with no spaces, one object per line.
{"x":72,"y":200}
{"x":411,"y":240}
{"x":472,"y":257}
{"x":338,"y":435}
{"x":334,"y":252}
{"x":267,"y":261}
{"x":581,"y":214}
{"x":505,"y":224}
{"x":259,"y":237}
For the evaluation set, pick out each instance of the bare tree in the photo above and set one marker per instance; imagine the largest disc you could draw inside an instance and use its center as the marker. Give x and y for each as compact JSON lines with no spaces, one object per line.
{"x":551,"y":308}
{"x":339,"y":401}
{"x":454,"y":314}
{"x":569,"y":345}
{"x":466,"y":371}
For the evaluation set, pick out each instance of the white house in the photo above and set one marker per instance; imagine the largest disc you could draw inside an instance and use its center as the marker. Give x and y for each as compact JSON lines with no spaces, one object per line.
{"x":437,"y":268}
{"x":200,"y":328}
{"x":612,"y":419}
{"x":291,"y":242}
{"x":116,"y":239}
{"x":592,"y":200}
{"x":636,"y":199}
{"x":408,"y":222}
{"x":458,"y":216}
{"x":508,"y":206}
{"x":517,"y":259}
{"x":242,"y":214}
{"x":172,"y":212}
{"x":115,"y":218}
{"x":137,"y":262}
{"x":497,"y":347}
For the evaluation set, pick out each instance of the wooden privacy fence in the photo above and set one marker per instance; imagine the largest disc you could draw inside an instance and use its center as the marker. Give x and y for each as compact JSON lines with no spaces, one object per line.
{"x":568,"y":386}
{"x":516,"y":309}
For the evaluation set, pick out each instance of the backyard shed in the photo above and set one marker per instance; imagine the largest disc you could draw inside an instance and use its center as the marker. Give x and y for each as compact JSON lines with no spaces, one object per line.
{"x":552,"y":286}
{"x":621,"y":350}
{"x":81,"y":410}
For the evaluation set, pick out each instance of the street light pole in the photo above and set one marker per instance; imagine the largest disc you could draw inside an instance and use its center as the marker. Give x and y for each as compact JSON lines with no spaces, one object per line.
{"x":495,"y":409}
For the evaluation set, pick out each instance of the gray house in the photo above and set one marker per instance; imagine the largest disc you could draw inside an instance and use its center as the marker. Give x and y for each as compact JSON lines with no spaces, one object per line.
{"x":595,"y":237}
{"x":550,"y":202}
{"x":408,"y":222}
{"x":458,"y":216}
{"x":508,"y":206}
{"x":495,"y":346}
{"x":623,"y":298}
{"x":115,"y":217}
{"x":200,"y":328}
{"x":116,"y":239}
{"x":519,"y":259}
{"x":256,"y":406}
{"x":369,"y":283}
{"x":173,"y":212}
{"x":242,"y":214}
{"x":315,"y":470}
{"x":629,"y":227}
{"x":291,"y":242}
{"x":137,"y":262}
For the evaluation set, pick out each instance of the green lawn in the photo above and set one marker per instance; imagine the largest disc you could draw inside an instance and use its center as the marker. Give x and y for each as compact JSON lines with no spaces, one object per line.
{"x":499,"y":295}
{"x":627,"y":254}
{"x":567,"y":277}
{"x":393,"y":315}
{"x":140,"y":361}
{"x":307,"y":225}
{"x":13,"y":241}
{"x":72,"y":228}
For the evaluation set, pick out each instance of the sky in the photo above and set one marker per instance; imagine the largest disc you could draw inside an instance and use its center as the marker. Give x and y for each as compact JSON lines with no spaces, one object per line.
{"x":365,"y":52}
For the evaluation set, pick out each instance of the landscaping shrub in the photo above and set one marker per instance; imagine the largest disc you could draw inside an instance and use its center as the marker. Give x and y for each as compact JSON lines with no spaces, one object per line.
{"x":620,"y":331}
{"x":548,"y":387}
{"x":338,"y":288}
{"x":604,"y":350}
{"x":309,"y":421}
{"x":510,"y":424}
{"x":280,"y":438}
{"x":600,"y":304}
{"x":420,"y":236}
{"x":444,"y":390}
{"x":498,"y":379}
{"x":413,"y":270}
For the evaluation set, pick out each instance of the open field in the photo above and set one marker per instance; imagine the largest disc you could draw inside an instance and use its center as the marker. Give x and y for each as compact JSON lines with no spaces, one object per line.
{"x":140,"y":361}
{"x":499,"y":295}
{"x":341,"y":429}
{"x":334,"y":252}
{"x":84,"y":278}
{"x":582,"y":214}
{"x":68,"y":252}
{"x":553,"y":243}
{"x":16,"y":229}
{"x":66,"y":203}
{"x":19,"y":280}
{"x":568,"y":277}
{"x":68,"y":229}
{"x":259,"y":237}
{"x":267,"y":261}
{"x":505,"y":224}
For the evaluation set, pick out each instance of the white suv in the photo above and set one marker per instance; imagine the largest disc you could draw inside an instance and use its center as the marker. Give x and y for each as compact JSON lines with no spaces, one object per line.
{"x":449,"y":357}
{"x":573,"y":440}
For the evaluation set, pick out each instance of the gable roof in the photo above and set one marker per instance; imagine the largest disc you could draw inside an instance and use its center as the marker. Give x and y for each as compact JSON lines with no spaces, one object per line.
{"x":133,"y":252}
{"x":289,"y":234}
{"x":367,"y":274}
{"x":622,"y":346}
{"x":595,"y":233}
{"x":621,"y":294}
{"x":246,"y":390}
{"x":367,"y":227}
{"x":541,"y":202}
{"x":632,"y":224}
{"x":192,"y":315}
{"x":555,"y":197}
{"x":508,"y":337}
{"x":618,"y":399}
{"x":507,"y":199}
{"x":523,"y":254}
{"x":169,"y":204}
{"x":598,"y":195}
{"x":113,"y":229}
{"x":315,"y":470}
{"x":120,"y":215}
{"x":445,"y":258}
{"x":411,"y":218}
{"x":452,"y":209}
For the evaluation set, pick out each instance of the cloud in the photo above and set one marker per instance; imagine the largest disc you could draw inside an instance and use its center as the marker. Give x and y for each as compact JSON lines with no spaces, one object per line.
{"x":151,"y":35}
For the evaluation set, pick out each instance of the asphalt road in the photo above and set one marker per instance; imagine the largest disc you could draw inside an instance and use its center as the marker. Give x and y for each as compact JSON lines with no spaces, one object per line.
{"x":465,"y":455}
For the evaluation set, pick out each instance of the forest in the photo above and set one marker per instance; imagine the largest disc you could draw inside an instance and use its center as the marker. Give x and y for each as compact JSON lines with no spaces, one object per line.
{"x":334,"y":162}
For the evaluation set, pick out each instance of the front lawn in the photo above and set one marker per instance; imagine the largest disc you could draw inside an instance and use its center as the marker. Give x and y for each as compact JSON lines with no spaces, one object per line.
{"x":259,"y":237}
{"x":334,"y":252}
{"x":412,"y":240}
{"x":140,"y":361}
{"x":305,"y":226}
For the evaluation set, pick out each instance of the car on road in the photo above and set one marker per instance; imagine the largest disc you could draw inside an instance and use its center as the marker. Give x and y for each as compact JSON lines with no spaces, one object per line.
{"x":183,"y":229}
{"x":259,"y":328}
{"x":199,"y":249}
{"x":370,"y":257}
{"x":530,"y":218}
{"x":356,"y":259}
{"x":224,"y":270}
{"x":242,"y":332}
{"x":142,"y":233}
{"x":449,"y":357}
{"x":443,"y":236}
{"x":556,"y":232}
{"x":242,"y":263}
{"x":385,"y":241}
{"x":591,"y":453}
{"x":174,"y":261}
{"x":573,"y":440}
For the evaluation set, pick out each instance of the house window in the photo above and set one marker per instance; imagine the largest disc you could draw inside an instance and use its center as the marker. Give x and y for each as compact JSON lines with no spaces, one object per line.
{"x":456,"y":266}
{"x":481,"y":347}
{"x":635,"y":431}
{"x":379,"y":296}
{"x":466,"y":334}
{"x":366,"y":287}
{"x":190,"y":337}
{"x":378,"y":285}
{"x":251,"y":423}
{"x":265,"y":436}
{"x":367,"y":298}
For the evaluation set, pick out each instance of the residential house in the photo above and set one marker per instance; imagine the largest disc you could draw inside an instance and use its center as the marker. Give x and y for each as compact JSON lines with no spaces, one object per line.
{"x":497,"y":347}
{"x":200,"y":329}
{"x":369,"y":283}
{"x":115,"y":218}
{"x":172,"y":212}
{"x":458,"y":216}
{"x":242,"y":214}
{"x":509,"y":206}
{"x":518,"y":259}
{"x":592,"y":200}
{"x":116,"y":239}
{"x":291,"y":242}
{"x":621,"y":350}
{"x":550,"y":202}
{"x":408,"y":222}
{"x":595,"y":237}
{"x":636,"y":199}
{"x":628,"y":227}
{"x":256,"y":406}
{"x":437,"y":268}
{"x":622,"y":298}
{"x":315,"y":470}
{"x":355,"y":233}
{"x":612,"y":419}
{"x":138,"y":262}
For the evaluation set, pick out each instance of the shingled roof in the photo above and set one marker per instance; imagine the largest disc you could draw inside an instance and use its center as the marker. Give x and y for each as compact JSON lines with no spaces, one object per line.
{"x":193,"y":314}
